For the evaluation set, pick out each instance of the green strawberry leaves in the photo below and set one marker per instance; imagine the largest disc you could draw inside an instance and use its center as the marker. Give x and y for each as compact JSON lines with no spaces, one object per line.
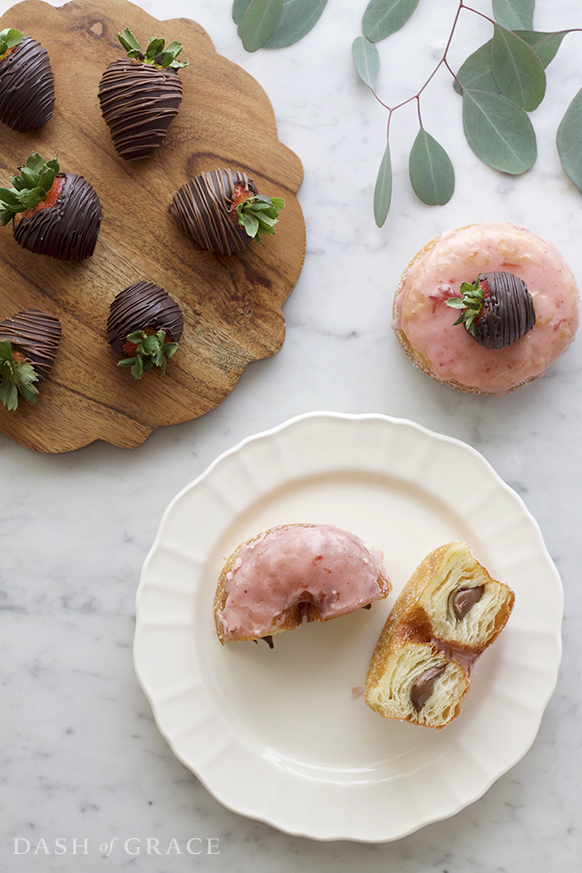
{"x":471,"y":303}
{"x":35,"y":181}
{"x":259,"y":215}
{"x":8,"y":39}
{"x":16,"y":379}
{"x":157,"y":53}
{"x":152,"y":350}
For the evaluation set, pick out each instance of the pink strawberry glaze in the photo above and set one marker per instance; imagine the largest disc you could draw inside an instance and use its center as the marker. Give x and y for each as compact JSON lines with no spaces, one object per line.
{"x":280,"y":568}
{"x":459,"y":256}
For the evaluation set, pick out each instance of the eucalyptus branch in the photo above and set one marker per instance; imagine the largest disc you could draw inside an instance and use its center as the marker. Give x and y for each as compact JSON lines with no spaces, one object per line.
{"x":501,"y":82}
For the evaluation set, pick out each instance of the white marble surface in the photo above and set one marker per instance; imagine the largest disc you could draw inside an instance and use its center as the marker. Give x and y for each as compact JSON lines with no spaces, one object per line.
{"x":81,"y":755}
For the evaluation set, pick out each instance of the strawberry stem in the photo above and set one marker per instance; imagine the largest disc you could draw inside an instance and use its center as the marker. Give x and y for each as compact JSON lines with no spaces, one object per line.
{"x":157,"y":54}
{"x":152,"y":350}
{"x":35,"y":181}
{"x":16,"y":378}
{"x":471,"y":303}
{"x":259,"y":215}
{"x":9,"y":38}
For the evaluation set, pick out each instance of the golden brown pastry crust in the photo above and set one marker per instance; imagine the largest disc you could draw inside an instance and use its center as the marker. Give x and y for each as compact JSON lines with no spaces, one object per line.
{"x":411,"y":624}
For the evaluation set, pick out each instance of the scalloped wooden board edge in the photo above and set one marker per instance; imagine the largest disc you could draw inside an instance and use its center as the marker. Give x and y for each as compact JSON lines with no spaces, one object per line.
{"x":231,"y":304}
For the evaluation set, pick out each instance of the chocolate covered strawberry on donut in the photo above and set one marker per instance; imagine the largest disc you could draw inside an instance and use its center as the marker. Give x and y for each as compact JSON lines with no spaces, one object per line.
{"x":486,"y":308}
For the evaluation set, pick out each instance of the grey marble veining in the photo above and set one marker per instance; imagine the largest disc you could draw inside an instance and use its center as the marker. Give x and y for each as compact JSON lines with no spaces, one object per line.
{"x":81,"y":756}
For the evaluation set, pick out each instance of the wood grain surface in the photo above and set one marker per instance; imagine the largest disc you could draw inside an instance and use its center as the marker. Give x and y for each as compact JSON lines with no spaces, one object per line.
{"x":231,"y":304}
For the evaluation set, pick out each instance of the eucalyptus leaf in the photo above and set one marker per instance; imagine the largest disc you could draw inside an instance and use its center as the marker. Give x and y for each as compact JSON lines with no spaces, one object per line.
{"x":366,"y":59}
{"x":239,"y":7}
{"x":499,"y":131}
{"x":569,"y":140}
{"x":259,"y":23}
{"x":384,"y":17}
{"x":297,"y":19}
{"x":514,"y":14}
{"x":476,"y":72}
{"x":545,"y":45}
{"x":517,"y":70}
{"x":383,"y":189}
{"x":430,"y":169}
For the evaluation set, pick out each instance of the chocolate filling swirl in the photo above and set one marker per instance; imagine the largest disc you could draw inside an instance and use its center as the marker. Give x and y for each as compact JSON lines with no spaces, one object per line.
{"x":27,"y":87}
{"x":463,"y":599}
{"x":69,"y":229}
{"x":138,"y":102}
{"x":422,"y":689}
{"x":203,"y":209}
{"x":37,"y":335}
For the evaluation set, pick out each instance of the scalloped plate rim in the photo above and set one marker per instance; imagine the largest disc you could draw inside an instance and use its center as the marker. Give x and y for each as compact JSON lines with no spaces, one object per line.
{"x":271,"y":817}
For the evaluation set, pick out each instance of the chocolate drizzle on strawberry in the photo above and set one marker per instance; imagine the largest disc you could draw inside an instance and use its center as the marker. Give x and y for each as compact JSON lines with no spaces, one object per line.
{"x":69,"y":229}
{"x":138,"y":102}
{"x":27,"y":88}
{"x":36,"y":335}
{"x":497,"y":309}
{"x":204,"y":210}
{"x":139,"y":307}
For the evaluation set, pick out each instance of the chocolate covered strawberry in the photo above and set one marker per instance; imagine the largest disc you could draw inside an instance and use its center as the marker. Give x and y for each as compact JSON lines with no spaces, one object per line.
{"x":52,"y":213}
{"x":27,"y":86}
{"x":140,"y":95}
{"x":223,"y":211}
{"x":144,"y":327}
{"x":28,"y":345}
{"x":497,"y":309}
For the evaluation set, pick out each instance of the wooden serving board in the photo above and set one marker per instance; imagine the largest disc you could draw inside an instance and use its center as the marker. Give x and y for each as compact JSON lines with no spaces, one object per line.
{"x":231,"y":304}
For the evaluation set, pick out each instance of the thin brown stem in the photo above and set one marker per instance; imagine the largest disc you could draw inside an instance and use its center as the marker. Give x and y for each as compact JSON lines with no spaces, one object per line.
{"x":442,"y":61}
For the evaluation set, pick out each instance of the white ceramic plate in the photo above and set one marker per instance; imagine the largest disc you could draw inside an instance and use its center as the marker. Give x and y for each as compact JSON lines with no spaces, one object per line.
{"x":279,"y":735}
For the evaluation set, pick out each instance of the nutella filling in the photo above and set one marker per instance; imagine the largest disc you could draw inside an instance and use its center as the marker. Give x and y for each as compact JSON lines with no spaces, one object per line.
{"x":463,"y":599}
{"x":422,"y":689}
